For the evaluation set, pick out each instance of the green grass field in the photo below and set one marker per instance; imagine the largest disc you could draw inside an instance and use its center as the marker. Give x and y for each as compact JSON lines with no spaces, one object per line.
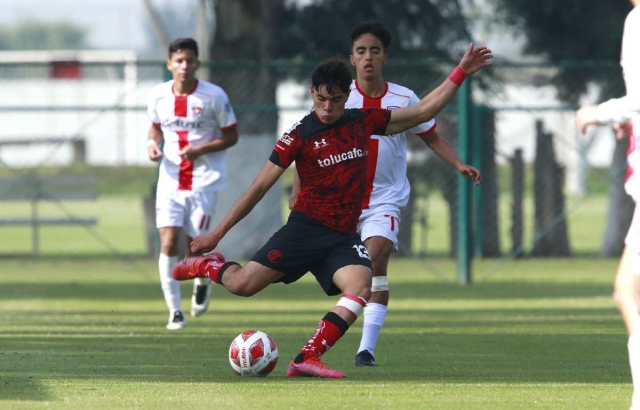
{"x":120,"y":228}
{"x":89,"y":334}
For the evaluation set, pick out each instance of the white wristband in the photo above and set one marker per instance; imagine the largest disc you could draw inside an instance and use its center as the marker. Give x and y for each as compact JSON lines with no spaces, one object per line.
{"x":151,"y":142}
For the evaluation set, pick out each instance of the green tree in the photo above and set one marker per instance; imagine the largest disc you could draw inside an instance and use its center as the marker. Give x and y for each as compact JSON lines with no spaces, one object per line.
{"x":38,"y":35}
{"x":421,"y":29}
{"x":571,"y":30}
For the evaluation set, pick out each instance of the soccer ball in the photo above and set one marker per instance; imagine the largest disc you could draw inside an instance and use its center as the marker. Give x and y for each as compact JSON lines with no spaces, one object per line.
{"x":253,"y":353}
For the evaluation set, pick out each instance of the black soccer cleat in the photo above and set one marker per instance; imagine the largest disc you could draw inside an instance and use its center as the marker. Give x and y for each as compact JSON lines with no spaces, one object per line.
{"x":200,"y":299}
{"x":176,"y":321}
{"x":365,"y":359}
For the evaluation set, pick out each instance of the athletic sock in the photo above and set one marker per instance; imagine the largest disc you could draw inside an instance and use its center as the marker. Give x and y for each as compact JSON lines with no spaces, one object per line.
{"x":215,"y":269}
{"x":330,"y":329}
{"x":634,"y":361}
{"x":170,"y":287}
{"x":374,"y":316}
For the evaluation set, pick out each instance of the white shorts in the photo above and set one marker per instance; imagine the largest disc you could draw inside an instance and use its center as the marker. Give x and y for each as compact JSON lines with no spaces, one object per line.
{"x":633,"y":241}
{"x":192,"y":211}
{"x":385,"y":223}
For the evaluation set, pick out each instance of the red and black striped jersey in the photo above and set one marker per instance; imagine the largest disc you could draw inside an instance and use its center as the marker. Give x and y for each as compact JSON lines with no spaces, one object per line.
{"x":331,"y":161}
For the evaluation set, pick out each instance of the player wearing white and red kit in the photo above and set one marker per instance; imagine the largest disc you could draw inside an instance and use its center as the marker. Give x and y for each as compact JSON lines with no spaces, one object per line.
{"x":388,"y":187}
{"x":191,"y":120}
{"x":387,"y":194}
{"x":625,"y":113}
{"x":197,"y":124}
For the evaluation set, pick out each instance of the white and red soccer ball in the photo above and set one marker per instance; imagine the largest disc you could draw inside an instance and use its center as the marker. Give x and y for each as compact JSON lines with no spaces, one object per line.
{"x":253,"y":353}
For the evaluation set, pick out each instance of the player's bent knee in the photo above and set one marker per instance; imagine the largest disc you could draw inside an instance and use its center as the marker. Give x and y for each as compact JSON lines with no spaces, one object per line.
{"x":379,"y":284}
{"x":363,"y":292}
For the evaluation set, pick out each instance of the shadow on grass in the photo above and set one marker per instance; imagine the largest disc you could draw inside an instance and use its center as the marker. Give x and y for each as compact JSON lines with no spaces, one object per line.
{"x":435,"y":358}
{"x":305,"y":290}
{"x":24,"y":387}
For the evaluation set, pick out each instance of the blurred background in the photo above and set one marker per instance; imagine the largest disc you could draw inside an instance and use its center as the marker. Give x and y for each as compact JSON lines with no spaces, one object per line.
{"x":75,"y":179}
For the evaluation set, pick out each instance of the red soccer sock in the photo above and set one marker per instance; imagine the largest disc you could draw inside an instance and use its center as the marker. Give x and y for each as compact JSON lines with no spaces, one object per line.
{"x":215,"y":269}
{"x":330,"y":329}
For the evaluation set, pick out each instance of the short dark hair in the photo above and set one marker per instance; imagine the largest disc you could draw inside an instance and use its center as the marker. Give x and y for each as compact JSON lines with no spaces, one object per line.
{"x":183,"y":43}
{"x":332,"y":73}
{"x":375,"y":28}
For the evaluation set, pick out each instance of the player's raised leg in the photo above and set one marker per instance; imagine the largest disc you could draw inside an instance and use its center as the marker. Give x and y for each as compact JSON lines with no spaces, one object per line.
{"x":241,"y":281}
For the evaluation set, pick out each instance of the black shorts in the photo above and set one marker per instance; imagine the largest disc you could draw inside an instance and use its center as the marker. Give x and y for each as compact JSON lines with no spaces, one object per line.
{"x":305,"y":245}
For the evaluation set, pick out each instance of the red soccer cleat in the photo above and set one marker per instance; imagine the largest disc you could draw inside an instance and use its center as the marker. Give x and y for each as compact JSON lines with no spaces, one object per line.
{"x":189,"y":268}
{"x":313,"y":367}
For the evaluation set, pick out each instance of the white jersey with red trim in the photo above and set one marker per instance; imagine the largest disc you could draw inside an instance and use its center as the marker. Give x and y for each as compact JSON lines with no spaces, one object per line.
{"x":194,"y":119}
{"x":627,"y":108}
{"x":387,"y":183}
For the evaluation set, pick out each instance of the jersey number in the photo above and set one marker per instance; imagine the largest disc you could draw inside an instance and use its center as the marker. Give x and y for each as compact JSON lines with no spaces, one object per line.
{"x":393,"y":222}
{"x":362,"y":251}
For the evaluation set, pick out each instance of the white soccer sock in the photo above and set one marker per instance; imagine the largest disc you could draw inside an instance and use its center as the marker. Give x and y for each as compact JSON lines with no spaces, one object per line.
{"x":634,"y":361}
{"x":374,"y":315}
{"x":170,"y":286}
{"x":201,"y":281}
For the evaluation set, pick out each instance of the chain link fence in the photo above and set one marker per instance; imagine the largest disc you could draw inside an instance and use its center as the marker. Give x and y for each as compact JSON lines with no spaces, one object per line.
{"x":547,"y":190}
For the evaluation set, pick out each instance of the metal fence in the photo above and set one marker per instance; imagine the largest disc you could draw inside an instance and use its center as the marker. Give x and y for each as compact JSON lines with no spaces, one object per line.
{"x":547,"y":190}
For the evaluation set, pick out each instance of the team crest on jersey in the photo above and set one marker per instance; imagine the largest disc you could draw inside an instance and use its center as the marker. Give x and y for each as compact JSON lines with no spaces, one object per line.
{"x":320,"y":144}
{"x":358,"y":129}
{"x":196,"y":110}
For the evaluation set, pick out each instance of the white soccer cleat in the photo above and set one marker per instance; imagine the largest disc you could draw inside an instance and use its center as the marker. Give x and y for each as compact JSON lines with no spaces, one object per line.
{"x":200,"y":298}
{"x":176,"y":320}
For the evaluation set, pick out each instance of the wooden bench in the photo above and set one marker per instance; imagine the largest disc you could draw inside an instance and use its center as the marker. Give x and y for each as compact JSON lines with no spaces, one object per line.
{"x":36,"y":189}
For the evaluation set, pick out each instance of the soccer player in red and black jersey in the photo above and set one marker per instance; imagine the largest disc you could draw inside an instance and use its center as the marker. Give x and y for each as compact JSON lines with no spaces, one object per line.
{"x":329,"y":147}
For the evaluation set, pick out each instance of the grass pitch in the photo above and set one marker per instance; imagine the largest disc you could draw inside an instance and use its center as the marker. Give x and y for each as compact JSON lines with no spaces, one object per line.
{"x":89,"y":334}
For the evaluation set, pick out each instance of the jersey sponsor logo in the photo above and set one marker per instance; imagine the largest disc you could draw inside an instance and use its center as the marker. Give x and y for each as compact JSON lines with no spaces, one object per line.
{"x":320,"y":144}
{"x":345,"y":156}
{"x":196,"y":110}
{"x":392,"y":107}
{"x":181,"y":123}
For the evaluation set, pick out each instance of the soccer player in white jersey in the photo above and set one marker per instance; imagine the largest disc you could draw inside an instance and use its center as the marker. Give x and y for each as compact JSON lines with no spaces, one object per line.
{"x":626,"y":111}
{"x":197,"y":124}
{"x":388,"y":187}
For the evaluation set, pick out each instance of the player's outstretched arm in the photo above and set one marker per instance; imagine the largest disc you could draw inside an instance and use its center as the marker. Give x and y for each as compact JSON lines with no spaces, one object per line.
{"x":473,"y":60}
{"x":443,"y":150}
{"x":247,"y":201}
